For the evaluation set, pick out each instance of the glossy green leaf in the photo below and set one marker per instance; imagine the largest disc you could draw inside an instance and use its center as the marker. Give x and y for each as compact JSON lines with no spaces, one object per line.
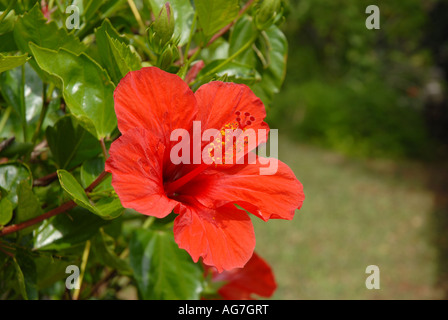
{"x":68,"y":230}
{"x":161,"y":269}
{"x":34,"y":27}
{"x":11,"y":62}
{"x":215,"y":14}
{"x":276,"y":52}
{"x":28,"y":206}
{"x":183,"y":17}
{"x":104,"y":246}
{"x":106,"y":208}
{"x":11,"y":175}
{"x":70,"y":143}
{"x":5,"y":211}
{"x":74,"y":189}
{"x":26,"y":113}
{"x":86,"y":87}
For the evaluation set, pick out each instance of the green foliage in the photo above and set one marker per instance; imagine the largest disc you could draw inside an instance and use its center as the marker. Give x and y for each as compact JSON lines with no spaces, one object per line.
{"x":11,"y":62}
{"x":57,"y":122}
{"x":162,"y":270}
{"x":355,"y":90}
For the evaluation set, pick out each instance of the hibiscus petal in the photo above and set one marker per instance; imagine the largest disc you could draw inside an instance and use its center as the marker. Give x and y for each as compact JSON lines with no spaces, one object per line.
{"x":223,"y":237}
{"x":221,"y":103}
{"x":274,"y":196}
{"x":155,"y":100}
{"x":135,"y":162}
{"x":240,"y":284}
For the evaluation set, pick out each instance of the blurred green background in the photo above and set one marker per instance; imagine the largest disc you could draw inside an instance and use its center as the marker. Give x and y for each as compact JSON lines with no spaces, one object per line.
{"x":363,"y":122}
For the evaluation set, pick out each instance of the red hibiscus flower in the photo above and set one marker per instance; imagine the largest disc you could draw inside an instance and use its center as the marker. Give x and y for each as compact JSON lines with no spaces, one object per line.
{"x":150,"y":104}
{"x":256,"y":278}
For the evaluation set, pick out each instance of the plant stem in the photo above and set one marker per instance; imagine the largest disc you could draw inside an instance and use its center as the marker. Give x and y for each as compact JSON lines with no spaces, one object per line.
{"x":229,"y":59}
{"x":23,"y":105}
{"x":137,"y":15}
{"x":225,"y":29}
{"x":190,"y":38}
{"x":43,"y":113}
{"x":104,"y":149}
{"x":5,"y":118}
{"x":17,"y":227}
{"x":98,"y":180}
{"x":61,"y":209}
{"x":148,"y":222}
{"x":85,"y":257}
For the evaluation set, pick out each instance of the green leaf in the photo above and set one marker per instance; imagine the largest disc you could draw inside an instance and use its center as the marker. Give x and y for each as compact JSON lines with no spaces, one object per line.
{"x":68,"y":230}
{"x":161,"y":269}
{"x":11,"y":175}
{"x":276,"y":53}
{"x":70,"y":143}
{"x":90,"y":170}
{"x":28,"y":205}
{"x":234,"y":72}
{"x":86,"y":87}
{"x":216,"y":14}
{"x":102,"y":35}
{"x":106,"y":208}
{"x":34,"y":27}
{"x":183,"y":13}
{"x":27,"y":112}
{"x":243,"y":32}
{"x":124,"y":58}
{"x":11,"y":62}
{"x":27,"y":275}
{"x":104,"y":246}
{"x":5,"y":211}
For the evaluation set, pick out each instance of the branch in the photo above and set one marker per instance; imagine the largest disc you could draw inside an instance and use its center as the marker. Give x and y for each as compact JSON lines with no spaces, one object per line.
{"x":17,"y":227}
{"x":61,"y":209}
{"x":225,"y":29}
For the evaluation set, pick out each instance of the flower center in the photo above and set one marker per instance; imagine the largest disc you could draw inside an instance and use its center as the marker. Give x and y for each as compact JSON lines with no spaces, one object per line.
{"x":228,"y":147}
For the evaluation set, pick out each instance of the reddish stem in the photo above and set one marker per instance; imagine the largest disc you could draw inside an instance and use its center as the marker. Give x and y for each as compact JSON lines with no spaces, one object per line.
{"x":225,"y":29}
{"x":61,"y":209}
{"x":17,"y":227}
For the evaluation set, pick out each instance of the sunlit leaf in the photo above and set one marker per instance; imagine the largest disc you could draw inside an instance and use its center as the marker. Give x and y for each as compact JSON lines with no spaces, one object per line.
{"x":106,"y":208}
{"x":215,"y":14}
{"x":86,"y":87}
{"x":11,"y":62}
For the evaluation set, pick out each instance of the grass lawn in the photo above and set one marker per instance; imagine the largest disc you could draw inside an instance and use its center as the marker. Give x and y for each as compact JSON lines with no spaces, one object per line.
{"x":356,"y":213}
